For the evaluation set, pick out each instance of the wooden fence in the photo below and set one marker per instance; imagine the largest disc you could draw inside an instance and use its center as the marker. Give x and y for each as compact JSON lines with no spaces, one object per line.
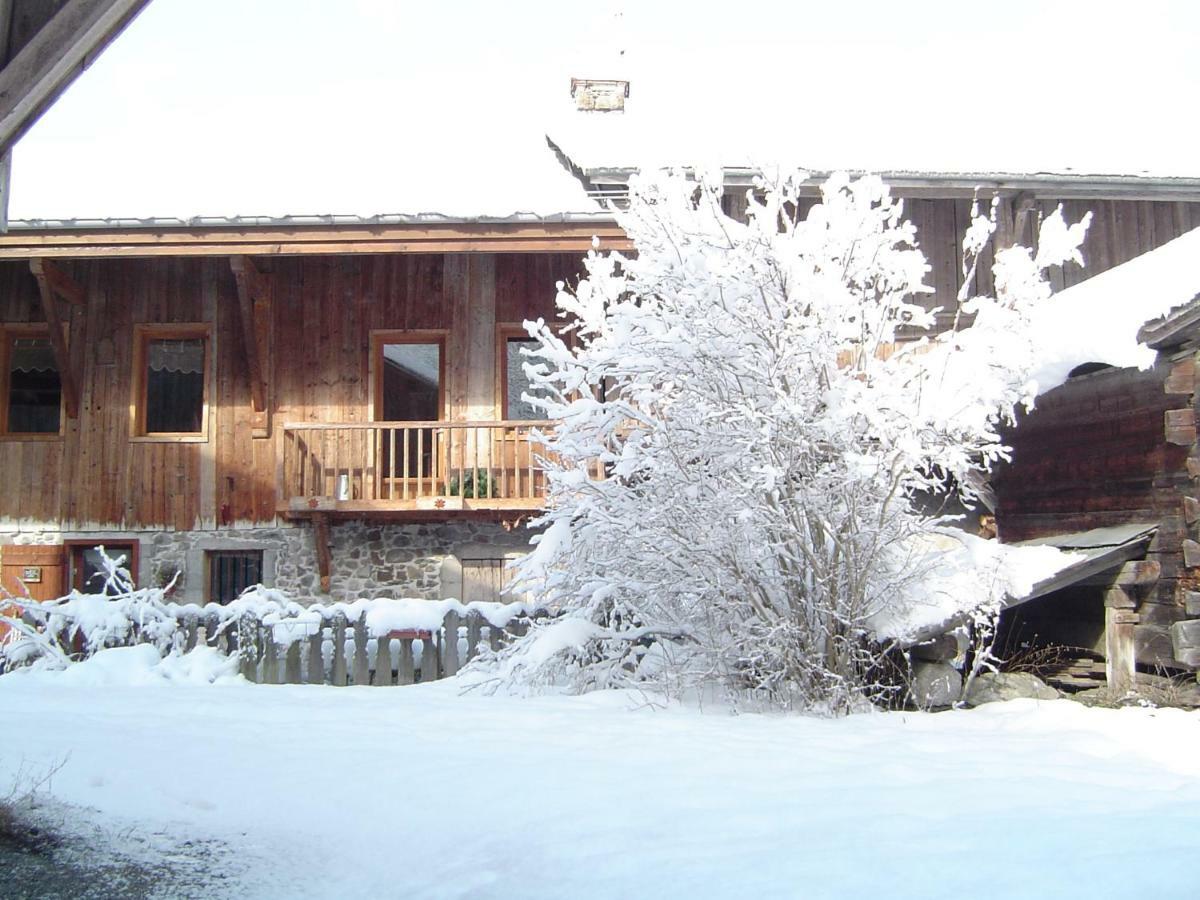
{"x":277,"y":643}
{"x":340,"y":651}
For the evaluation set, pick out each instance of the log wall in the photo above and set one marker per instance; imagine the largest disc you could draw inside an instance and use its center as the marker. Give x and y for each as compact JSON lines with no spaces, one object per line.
{"x":1112,"y":448}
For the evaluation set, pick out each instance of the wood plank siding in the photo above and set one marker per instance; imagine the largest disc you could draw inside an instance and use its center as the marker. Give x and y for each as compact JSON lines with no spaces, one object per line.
{"x":322,"y":314}
{"x":329,"y":290}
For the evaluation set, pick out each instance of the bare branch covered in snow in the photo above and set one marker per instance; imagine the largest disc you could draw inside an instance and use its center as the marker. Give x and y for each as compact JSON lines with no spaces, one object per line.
{"x":766,"y":442}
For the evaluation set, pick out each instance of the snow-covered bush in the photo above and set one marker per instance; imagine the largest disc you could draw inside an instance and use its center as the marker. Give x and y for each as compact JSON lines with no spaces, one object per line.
{"x":55,"y":633}
{"x":765,"y":439}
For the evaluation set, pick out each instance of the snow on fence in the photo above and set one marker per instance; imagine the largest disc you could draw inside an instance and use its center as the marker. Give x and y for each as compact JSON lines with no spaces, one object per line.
{"x":275,"y":641}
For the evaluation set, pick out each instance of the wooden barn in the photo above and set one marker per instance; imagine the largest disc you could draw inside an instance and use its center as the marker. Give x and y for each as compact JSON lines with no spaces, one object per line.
{"x":332,"y":406}
{"x":1107,"y":465}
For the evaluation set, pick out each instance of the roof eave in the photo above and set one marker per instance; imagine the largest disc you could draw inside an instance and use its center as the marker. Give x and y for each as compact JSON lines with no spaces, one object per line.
{"x":1053,"y":186}
{"x":298,"y":236}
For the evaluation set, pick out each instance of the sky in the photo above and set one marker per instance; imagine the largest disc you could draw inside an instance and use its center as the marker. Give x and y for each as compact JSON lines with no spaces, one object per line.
{"x":364,"y":107}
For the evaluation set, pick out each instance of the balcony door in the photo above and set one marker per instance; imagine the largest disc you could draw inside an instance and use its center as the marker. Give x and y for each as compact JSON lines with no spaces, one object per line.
{"x":410,"y":387}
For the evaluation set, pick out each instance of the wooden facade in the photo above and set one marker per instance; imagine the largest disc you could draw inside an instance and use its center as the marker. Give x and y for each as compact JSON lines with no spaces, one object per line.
{"x":289,"y":320}
{"x":317,"y":368}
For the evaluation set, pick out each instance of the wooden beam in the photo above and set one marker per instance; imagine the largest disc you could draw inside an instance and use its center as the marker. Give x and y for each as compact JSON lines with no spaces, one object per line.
{"x":253,"y":298}
{"x":63,"y":284}
{"x":276,"y":240}
{"x":62,"y":48}
{"x":1120,"y":649}
{"x":70,"y":387}
{"x":321,"y":540}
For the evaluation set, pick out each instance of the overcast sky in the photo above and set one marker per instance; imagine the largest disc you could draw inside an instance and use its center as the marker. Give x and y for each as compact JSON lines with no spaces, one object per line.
{"x":272,"y":107}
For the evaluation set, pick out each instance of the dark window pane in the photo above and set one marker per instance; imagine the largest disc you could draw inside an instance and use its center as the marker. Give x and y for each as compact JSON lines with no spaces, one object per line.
{"x":34,"y":388}
{"x":92,"y":577}
{"x":174,"y":386}
{"x":518,"y":381}
{"x":231,"y":572}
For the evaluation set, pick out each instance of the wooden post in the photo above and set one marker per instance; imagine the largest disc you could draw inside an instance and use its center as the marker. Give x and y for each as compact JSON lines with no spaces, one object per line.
{"x":362,"y":668}
{"x":474,"y":632}
{"x":254,"y":314}
{"x":190,"y":627}
{"x":450,"y":644}
{"x":292,"y":664}
{"x":270,"y":657}
{"x":321,"y":540}
{"x":337,"y":670}
{"x":429,"y":659}
{"x":1120,"y":651}
{"x":248,"y":647}
{"x":383,"y":661}
{"x":406,"y":661}
{"x":316,"y":663}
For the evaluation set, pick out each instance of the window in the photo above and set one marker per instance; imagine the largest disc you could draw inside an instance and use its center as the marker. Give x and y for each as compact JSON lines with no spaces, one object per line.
{"x":32,"y":389}
{"x":232,"y":571}
{"x":409,"y":372}
{"x":513,"y":380}
{"x":88,"y":573}
{"x":171,"y":383}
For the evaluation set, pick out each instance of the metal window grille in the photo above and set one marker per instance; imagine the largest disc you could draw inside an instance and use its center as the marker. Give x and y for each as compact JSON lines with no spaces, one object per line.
{"x":232,"y":571}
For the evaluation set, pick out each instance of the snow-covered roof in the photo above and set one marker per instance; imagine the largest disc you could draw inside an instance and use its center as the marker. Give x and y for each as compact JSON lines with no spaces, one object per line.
{"x":275,"y":109}
{"x":609,"y":146}
{"x":1101,"y":319}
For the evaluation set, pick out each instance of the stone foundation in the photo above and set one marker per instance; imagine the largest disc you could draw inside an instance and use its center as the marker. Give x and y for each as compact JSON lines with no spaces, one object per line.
{"x":369,"y":559}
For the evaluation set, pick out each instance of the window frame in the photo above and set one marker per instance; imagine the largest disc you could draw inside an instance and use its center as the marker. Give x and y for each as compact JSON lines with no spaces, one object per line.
{"x":75,"y":548}
{"x":143,"y":334}
{"x":10,"y":332}
{"x":383,"y":336}
{"x":506,"y":331}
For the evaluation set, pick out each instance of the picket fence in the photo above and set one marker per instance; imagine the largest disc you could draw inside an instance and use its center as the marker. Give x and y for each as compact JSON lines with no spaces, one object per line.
{"x":340,"y":651}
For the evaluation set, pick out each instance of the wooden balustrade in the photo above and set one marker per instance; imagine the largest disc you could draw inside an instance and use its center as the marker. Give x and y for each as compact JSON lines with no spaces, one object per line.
{"x":412,"y":465}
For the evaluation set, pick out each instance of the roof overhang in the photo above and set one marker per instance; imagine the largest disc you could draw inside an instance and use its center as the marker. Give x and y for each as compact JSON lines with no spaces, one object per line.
{"x":66,"y":42}
{"x":309,"y":236}
{"x":1100,"y":552}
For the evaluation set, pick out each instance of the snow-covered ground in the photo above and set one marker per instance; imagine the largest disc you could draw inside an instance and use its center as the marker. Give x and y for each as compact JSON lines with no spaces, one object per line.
{"x":426,"y":792}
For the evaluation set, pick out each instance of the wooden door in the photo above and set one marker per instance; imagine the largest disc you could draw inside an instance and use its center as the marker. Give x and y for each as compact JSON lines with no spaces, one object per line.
{"x":36,"y":572}
{"x":484,"y":579}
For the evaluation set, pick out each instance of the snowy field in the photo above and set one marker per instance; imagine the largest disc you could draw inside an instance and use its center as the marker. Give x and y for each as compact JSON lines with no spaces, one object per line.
{"x":425,"y":792}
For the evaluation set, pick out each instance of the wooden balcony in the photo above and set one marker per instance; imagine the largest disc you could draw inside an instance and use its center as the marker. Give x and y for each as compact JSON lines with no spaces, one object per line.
{"x":431,"y":468}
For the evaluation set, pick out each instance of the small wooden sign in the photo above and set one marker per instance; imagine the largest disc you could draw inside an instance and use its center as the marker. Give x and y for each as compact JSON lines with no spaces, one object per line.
{"x":31,"y":574}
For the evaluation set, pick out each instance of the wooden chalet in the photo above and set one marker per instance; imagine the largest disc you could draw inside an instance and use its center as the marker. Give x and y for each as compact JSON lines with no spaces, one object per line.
{"x":239,"y":379}
{"x":332,"y":406}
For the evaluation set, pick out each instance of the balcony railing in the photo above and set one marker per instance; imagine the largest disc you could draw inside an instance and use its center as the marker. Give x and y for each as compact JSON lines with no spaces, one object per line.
{"x":411,"y":465}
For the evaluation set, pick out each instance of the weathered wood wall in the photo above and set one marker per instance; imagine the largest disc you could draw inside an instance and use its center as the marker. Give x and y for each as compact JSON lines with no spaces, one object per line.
{"x":1104,"y":449}
{"x":323,"y":311}
{"x":318,"y":368}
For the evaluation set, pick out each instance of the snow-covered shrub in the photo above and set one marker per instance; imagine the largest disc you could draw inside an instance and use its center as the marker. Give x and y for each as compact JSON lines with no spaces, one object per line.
{"x":765,"y":440}
{"x":55,"y":633}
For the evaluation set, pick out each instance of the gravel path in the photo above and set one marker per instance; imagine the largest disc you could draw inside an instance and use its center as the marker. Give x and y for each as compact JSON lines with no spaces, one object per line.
{"x":88,"y":861}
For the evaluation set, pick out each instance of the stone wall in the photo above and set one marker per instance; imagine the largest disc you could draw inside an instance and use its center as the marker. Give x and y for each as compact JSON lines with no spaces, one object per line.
{"x":369,"y":559}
